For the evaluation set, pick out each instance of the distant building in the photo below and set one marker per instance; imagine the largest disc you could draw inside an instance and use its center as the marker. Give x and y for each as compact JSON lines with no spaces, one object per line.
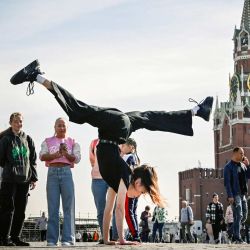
{"x":31,"y":233}
{"x":197,"y":187}
{"x":231,"y":128}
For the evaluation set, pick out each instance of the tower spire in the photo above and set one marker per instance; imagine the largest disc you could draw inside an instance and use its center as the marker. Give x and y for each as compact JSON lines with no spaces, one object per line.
{"x":245,"y":19}
{"x":217,"y":103}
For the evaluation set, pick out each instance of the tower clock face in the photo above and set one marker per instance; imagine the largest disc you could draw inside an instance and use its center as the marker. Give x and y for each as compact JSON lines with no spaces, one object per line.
{"x":248,"y":82}
{"x":234,"y":85}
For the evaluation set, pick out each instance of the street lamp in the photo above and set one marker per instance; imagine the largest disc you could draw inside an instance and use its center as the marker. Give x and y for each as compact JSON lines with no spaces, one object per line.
{"x":198,"y":196}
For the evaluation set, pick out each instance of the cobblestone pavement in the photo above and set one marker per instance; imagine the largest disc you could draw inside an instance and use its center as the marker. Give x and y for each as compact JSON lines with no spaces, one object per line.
{"x":161,"y":246}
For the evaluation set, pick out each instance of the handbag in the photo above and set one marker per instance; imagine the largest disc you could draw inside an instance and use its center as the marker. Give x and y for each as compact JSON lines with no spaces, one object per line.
{"x":153,"y":218}
{"x":209,"y":228}
{"x":191,"y":222}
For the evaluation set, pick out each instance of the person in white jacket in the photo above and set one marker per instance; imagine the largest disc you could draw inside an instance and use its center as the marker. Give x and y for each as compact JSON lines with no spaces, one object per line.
{"x":229,"y":219}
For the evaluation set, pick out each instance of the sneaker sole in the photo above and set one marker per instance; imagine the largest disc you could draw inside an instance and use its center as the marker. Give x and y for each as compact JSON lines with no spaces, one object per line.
{"x":211,"y":101}
{"x":206,"y":117}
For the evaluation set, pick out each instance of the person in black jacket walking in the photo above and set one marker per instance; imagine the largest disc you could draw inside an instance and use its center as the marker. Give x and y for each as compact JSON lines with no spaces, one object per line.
{"x":214,"y":216}
{"x":144,"y":224}
{"x":18,"y":159}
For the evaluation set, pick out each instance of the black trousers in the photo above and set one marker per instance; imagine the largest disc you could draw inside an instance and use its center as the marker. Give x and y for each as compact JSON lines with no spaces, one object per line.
{"x":13,"y":201}
{"x":247,"y":229}
{"x":43,"y":235}
{"x":117,"y":126}
{"x":216,"y":230}
{"x":106,"y":119}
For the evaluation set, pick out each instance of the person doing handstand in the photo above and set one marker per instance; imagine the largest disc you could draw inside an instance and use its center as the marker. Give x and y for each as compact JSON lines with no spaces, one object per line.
{"x":114,"y":127}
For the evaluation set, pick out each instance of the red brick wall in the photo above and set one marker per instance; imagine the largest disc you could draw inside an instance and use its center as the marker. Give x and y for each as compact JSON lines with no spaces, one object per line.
{"x":225,"y":134}
{"x":240,"y":137}
{"x":245,"y":63}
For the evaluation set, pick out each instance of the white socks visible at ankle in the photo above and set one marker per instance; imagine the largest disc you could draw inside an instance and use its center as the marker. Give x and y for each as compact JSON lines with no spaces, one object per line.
{"x":195,"y":109}
{"x":40,"y":79}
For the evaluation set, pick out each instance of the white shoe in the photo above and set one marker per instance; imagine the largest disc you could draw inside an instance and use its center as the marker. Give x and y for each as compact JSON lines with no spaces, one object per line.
{"x":67,"y":244}
{"x":50,"y":244}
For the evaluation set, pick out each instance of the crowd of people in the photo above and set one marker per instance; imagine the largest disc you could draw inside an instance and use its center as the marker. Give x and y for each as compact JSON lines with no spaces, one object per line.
{"x":85,"y":236}
{"x":230,"y":225}
{"x":218,"y":227}
{"x":118,"y":177}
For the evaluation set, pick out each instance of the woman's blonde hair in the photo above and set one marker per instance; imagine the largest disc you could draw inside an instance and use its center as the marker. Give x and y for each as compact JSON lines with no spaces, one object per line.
{"x":57,"y":120}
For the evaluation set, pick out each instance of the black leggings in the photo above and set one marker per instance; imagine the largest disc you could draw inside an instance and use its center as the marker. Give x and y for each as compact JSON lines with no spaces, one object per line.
{"x":114,"y":125}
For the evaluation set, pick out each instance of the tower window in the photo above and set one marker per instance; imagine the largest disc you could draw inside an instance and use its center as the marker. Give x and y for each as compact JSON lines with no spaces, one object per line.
{"x":246,"y":112}
{"x":244,"y":40}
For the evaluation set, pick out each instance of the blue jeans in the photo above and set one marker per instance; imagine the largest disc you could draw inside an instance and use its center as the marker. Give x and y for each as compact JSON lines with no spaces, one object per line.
{"x":99,"y":190}
{"x":60,"y":183}
{"x":158,"y":226}
{"x":239,"y":214}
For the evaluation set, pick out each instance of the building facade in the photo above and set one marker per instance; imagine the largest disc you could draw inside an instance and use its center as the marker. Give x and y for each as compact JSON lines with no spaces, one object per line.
{"x":231,"y":127}
{"x":197,"y":187}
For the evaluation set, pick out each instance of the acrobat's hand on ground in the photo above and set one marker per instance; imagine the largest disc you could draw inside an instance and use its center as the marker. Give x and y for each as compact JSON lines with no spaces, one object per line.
{"x":124,"y":242}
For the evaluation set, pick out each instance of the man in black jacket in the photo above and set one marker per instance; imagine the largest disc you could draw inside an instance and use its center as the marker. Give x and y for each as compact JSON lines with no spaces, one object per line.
{"x":18,"y":159}
{"x":236,"y":175}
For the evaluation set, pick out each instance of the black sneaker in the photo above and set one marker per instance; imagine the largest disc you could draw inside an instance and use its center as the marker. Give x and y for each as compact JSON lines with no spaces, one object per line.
{"x":20,"y":243}
{"x":217,"y":241}
{"x":101,"y":241}
{"x":27,"y":74}
{"x":138,"y":239}
{"x":7,"y":243}
{"x":205,"y":107}
{"x":240,"y":241}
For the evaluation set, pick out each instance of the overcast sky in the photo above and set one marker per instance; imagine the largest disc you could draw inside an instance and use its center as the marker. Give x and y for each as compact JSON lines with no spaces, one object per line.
{"x":129,"y":54}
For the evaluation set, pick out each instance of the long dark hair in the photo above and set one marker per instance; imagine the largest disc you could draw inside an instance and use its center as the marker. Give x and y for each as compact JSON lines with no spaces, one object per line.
{"x":149,"y":180}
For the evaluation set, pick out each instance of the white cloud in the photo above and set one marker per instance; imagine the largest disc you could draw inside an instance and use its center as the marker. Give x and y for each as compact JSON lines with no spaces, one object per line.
{"x":26,"y":18}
